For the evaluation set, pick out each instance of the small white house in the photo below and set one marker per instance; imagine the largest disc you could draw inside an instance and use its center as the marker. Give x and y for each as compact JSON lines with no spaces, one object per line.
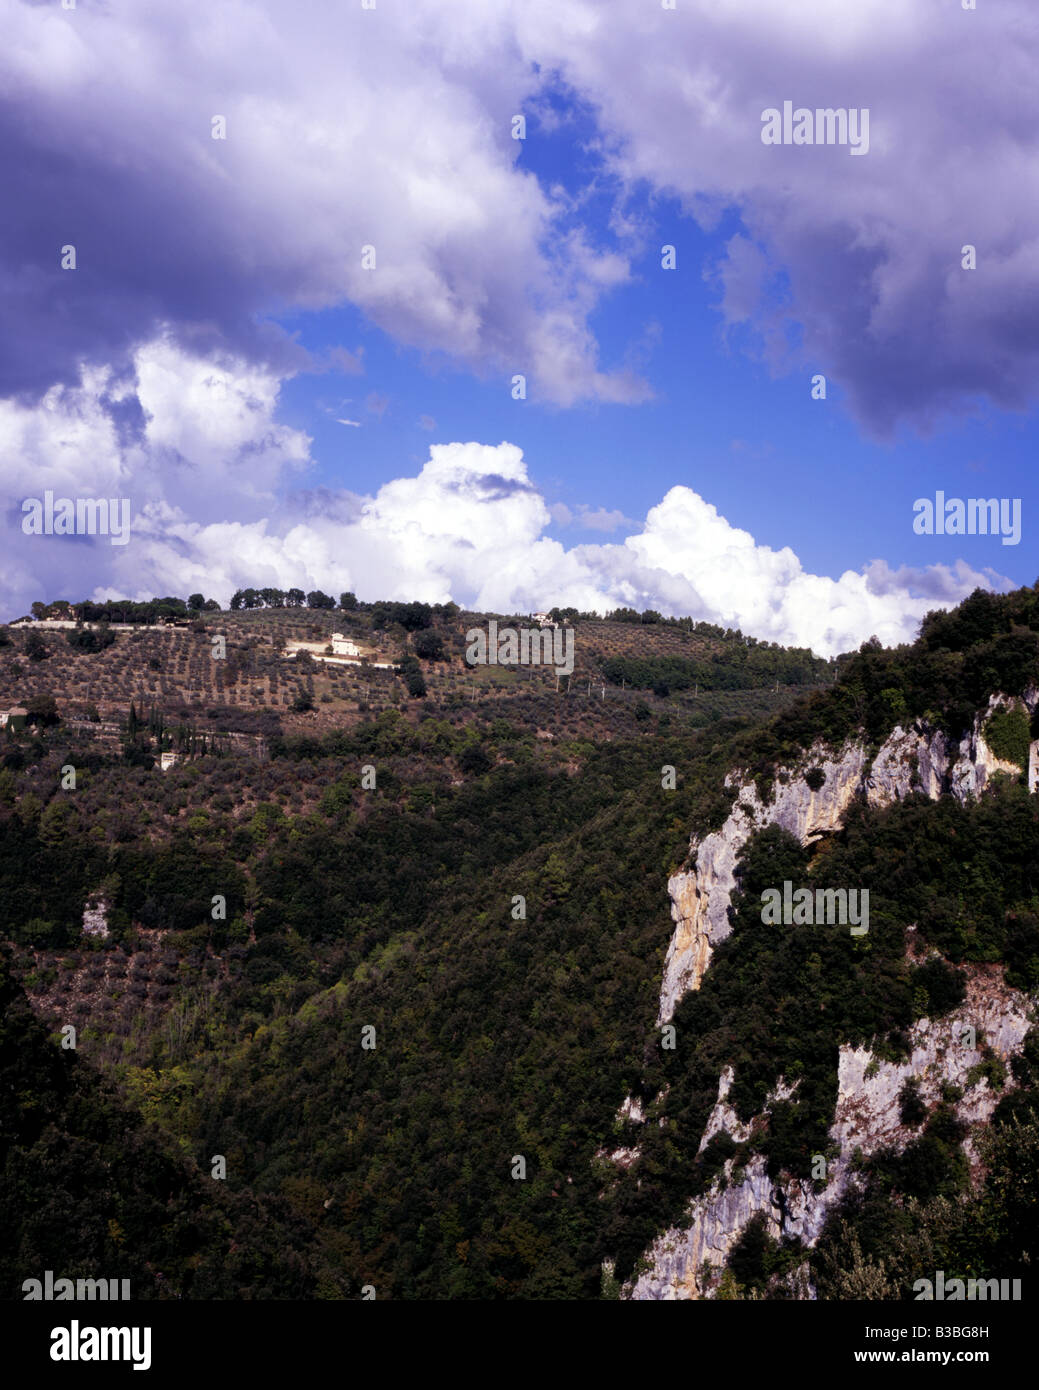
{"x":543,"y":619}
{"x":342,"y":646}
{"x":168,"y":760}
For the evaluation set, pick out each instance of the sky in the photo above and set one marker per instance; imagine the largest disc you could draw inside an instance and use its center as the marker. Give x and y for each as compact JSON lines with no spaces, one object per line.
{"x":282,"y":276}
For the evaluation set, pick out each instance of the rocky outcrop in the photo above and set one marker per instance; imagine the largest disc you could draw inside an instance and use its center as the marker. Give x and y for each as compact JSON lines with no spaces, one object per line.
{"x":632,"y":1110}
{"x":95,"y":917}
{"x":913,"y":760}
{"x":700,"y":896}
{"x":976,"y":763}
{"x":676,"y":1259}
{"x":723,"y":1117}
{"x":921,"y":760}
{"x":944,"y":1050}
{"x":866,"y":1118}
{"x":917,"y":759}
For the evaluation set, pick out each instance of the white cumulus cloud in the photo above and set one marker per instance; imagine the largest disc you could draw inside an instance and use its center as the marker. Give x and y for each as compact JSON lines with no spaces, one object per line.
{"x":195,"y":444}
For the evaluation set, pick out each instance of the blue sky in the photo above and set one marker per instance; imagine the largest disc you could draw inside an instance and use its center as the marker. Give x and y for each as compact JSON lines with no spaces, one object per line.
{"x":219,"y":323}
{"x":789,"y":469}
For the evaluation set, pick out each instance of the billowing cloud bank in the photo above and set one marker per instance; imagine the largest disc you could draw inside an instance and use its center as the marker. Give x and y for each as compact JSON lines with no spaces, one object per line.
{"x":152,"y":370}
{"x":195,"y":446}
{"x":391,"y":128}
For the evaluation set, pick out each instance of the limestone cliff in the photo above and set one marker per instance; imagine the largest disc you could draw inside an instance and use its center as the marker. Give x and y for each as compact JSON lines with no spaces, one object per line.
{"x":917,"y":759}
{"x":866,"y":1118}
{"x":700,"y":896}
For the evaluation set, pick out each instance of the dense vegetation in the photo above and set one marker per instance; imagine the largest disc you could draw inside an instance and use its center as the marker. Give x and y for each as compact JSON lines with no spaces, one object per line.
{"x":89,"y":1190}
{"x":484,"y":885}
{"x":739,"y":665}
{"x":777,"y":1001}
{"x":123,"y":610}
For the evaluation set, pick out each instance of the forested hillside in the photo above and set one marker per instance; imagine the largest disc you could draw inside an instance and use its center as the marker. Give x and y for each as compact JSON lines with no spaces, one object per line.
{"x":396,"y":957}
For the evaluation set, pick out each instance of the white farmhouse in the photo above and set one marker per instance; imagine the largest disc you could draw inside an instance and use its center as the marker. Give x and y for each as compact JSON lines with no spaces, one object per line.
{"x":342,"y":646}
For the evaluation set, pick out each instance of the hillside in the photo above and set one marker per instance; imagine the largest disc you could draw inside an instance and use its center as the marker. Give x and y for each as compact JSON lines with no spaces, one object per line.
{"x":409,"y":961}
{"x":273,"y":662}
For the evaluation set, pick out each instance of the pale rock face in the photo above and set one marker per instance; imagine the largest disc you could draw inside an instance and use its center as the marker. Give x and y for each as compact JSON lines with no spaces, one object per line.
{"x":676,"y":1257}
{"x":867,"y":1107}
{"x":700,"y":897}
{"x":977,"y":764}
{"x":632,"y":1110}
{"x":95,"y":917}
{"x":723,"y":1116}
{"x":914,"y":760}
{"x":624,"y":1158}
{"x":717,"y":1220}
{"x":866,"y":1117}
{"x":1031,"y":698}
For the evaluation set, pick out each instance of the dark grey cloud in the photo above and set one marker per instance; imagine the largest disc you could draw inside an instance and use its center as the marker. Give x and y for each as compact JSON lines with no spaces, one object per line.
{"x":344,"y":129}
{"x":347,"y":128}
{"x":851,"y":263}
{"x":150,"y":249}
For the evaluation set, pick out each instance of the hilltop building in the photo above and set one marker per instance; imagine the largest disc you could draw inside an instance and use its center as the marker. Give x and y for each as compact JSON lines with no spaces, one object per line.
{"x":342,"y":646}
